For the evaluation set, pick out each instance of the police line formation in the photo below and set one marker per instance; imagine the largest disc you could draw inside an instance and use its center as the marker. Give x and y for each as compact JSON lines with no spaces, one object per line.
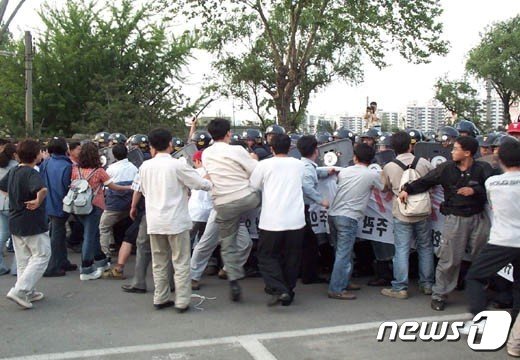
{"x":176,"y":204}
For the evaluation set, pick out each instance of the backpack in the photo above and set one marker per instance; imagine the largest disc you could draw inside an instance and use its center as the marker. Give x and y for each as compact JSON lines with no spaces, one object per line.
{"x":78,"y":200}
{"x":418,"y":204}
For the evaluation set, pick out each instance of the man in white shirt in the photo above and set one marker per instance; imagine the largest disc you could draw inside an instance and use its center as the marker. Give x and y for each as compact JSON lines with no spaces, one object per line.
{"x":122,"y":172}
{"x":164,"y":183}
{"x":282,"y":220}
{"x":503,"y":247}
{"x":229,"y":168}
{"x":355,"y":184}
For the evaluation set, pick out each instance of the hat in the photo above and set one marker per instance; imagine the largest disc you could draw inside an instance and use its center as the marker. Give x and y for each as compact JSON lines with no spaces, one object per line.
{"x":513,"y":128}
{"x":197,"y":156}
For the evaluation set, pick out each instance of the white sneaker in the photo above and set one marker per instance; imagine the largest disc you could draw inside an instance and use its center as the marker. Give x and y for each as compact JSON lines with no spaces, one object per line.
{"x":468,"y":324}
{"x":96,"y":274}
{"x":20,"y":299}
{"x":35,"y":296}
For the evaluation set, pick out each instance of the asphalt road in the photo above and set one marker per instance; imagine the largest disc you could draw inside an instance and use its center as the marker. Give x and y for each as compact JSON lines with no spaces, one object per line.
{"x":96,"y":320}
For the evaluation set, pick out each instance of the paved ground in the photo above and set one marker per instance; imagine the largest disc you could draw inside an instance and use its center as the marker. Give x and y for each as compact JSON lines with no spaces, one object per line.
{"x":96,"y":320}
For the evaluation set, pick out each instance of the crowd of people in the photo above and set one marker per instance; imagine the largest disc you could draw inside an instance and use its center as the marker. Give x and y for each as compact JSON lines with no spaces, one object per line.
{"x":187,"y":215}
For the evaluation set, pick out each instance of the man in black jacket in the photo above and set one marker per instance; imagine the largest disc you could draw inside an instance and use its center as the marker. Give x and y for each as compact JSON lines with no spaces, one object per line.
{"x":466,"y":223}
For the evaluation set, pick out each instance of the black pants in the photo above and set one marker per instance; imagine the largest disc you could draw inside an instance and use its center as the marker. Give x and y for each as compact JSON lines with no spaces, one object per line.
{"x":58,"y":236}
{"x":279,"y":258}
{"x":311,"y":252}
{"x":491,"y":259}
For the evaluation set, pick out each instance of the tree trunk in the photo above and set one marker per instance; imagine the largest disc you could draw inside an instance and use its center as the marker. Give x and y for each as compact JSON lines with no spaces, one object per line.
{"x":506,"y":98}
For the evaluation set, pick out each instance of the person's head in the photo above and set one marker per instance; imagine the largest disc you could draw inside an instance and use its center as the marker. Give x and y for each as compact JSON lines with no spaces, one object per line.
{"x":509,"y":154}
{"x":219,"y":129}
{"x":57,"y":146}
{"x":160,"y":141}
{"x":368,"y":141}
{"x":29,"y":151}
{"x":74,"y":149}
{"x":280,"y":143}
{"x":7,"y":154}
{"x":119,"y":151}
{"x":308,"y":147}
{"x":373,"y":105}
{"x":89,"y":156}
{"x":197,"y":159}
{"x":401,"y":142}
{"x":465,"y":147}
{"x":364,"y":154}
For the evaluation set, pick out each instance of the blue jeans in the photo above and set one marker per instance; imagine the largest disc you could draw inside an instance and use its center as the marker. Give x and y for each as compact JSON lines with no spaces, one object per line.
{"x":4,"y":235}
{"x":91,"y":248}
{"x":343,"y":233}
{"x":404,"y":234}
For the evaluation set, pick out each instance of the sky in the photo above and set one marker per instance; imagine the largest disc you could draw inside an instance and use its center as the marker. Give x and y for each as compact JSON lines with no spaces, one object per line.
{"x":393,"y":88}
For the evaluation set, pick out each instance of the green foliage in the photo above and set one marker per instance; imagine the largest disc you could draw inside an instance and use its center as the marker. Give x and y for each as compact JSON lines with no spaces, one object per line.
{"x":496,"y":58}
{"x":292,"y":48}
{"x":459,"y":97}
{"x":12,"y":89}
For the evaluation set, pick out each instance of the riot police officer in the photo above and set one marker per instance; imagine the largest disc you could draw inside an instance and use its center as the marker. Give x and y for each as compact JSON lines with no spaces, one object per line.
{"x":344,"y":133}
{"x":273,"y":130}
{"x":116,"y":138}
{"x":255,"y":145}
{"x":201,"y":138}
{"x":177,"y":144}
{"x":447,"y":135}
{"x":467,"y":128}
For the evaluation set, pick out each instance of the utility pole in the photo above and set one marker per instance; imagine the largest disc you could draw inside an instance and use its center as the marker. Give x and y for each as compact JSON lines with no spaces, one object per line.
{"x":488,"y":104}
{"x":28,"y":84}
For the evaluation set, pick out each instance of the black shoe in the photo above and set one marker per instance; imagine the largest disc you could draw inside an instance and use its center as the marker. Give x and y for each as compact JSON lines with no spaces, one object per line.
{"x":438,"y":305}
{"x":130,"y":289}
{"x":70,"y":267}
{"x":286,"y":299}
{"x":56,"y":273}
{"x":269,"y":291}
{"x":379,"y":282}
{"x":235,"y":291}
{"x":165,"y":305}
{"x":182,"y":310}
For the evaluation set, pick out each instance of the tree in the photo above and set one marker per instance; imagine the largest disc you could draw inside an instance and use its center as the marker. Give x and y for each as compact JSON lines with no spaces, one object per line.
{"x":496,"y":58}
{"x":291,"y":48}
{"x":460,"y":98}
{"x":12,"y":91}
{"x":5,"y":20}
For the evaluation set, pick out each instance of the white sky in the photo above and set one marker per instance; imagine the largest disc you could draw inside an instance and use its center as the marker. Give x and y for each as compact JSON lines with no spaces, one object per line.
{"x":393,"y":87}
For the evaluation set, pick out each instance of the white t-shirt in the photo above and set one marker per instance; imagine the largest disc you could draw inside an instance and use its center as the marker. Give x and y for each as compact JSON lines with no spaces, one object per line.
{"x":122,"y":170}
{"x":280,"y":180}
{"x":504,"y":197}
{"x":355,"y":184}
{"x":200,"y":203}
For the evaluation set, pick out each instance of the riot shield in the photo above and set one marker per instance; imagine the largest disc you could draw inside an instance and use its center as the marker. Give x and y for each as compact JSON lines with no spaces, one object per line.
{"x":136,"y":157}
{"x":433,"y":152}
{"x":336,"y":153}
{"x":106,"y":157}
{"x":384,"y":157}
{"x":187,"y":153}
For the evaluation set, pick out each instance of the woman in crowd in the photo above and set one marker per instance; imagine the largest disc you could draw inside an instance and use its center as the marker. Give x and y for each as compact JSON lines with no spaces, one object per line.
{"x":7,"y":161}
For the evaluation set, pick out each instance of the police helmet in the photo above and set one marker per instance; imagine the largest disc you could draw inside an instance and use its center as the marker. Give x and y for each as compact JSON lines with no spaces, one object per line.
{"x":416,"y":135}
{"x":385,"y":140}
{"x":201,"y":138}
{"x":447,"y":133}
{"x":372,"y":133}
{"x":466,"y":126}
{"x":502,"y":139}
{"x":344,"y":133}
{"x":177,"y":143}
{"x":117,"y":138}
{"x":252,"y":134}
{"x":323,"y":137}
{"x":102,"y":138}
{"x":275,"y":129}
{"x":139,"y":140}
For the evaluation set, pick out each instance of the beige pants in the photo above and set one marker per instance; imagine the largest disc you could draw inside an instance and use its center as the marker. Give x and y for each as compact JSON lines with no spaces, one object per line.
{"x":178,"y":248}
{"x":106,"y":228}
{"x":32,"y":256}
{"x":513,"y":344}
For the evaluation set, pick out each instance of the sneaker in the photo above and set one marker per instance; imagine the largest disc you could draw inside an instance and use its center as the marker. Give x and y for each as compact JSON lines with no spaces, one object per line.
{"x":438,"y":305}
{"x":425,"y":290}
{"x":96,"y":274}
{"x":195,"y":285}
{"x":35,"y":296}
{"x":19,"y":298}
{"x":396,"y":294}
{"x":344,"y":295}
{"x":113,"y":274}
{"x":468,"y":324}
{"x":132,"y":289}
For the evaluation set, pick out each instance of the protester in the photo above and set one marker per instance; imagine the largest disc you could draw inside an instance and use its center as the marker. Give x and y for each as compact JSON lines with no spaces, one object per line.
{"x":503,"y":246}
{"x":229,"y":168}
{"x":7,"y":162}
{"x":408,"y":229}
{"x":355,"y":184}
{"x":93,"y":260}
{"x":27,"y":223}
{"x":282,"y":220}
{"x":164,"y":181}
{"x":74,"y":150}
{"x":466,"y":223}
{"x":56,"y":173}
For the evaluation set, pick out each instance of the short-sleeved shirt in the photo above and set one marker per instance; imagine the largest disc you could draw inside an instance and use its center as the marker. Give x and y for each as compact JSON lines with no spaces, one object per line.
{"x":22,"y":183}
{"x":96,"y":182}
